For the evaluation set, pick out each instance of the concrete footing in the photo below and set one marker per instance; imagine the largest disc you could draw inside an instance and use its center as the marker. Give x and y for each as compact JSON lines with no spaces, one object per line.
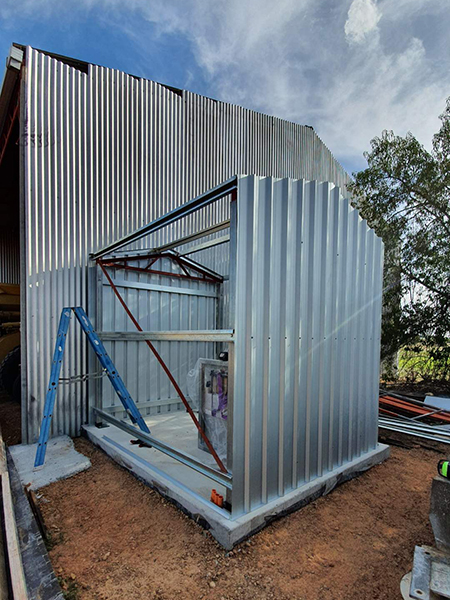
{"x":61,"y":461}
{"x":226,"y":530}
{"x":440,"y":512}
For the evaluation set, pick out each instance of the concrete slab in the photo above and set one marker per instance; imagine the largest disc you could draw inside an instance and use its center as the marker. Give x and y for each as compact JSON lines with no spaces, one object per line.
{"x":177,"y":430}
{"x":186,"y":489}
{"x":61,"y":461}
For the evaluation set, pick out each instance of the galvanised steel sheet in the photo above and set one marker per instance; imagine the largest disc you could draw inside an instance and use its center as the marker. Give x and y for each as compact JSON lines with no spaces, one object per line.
{"x":307,"y":342}
{"x":156,"y":310}
{"x":104,"y":153}
{"x":9,"y":257}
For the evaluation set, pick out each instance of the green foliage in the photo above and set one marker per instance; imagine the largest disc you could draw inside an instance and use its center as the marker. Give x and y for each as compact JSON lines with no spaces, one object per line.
{"x":69,"y":588}
{"x":405,"y":195}
{"x":52,"y":539}
{"x":419,"y":364}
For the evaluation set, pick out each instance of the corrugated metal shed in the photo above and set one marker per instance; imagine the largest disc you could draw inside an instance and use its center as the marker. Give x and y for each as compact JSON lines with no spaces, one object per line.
{"x":304,"y":307}
{"x":103,"y":153}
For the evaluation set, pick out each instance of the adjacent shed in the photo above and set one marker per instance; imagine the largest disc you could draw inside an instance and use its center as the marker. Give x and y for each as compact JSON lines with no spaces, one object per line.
{"x":89,"y":154}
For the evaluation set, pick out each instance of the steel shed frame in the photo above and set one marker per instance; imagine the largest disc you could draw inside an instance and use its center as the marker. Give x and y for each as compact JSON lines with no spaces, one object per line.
{"x":305,"y":285}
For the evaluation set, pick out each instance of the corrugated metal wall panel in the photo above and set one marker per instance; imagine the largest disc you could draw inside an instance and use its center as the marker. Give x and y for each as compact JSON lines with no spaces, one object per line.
{"x":107,"y":152}
{"x":156,"y":311}
{"x":9,"y":257}
{"x":308,"y":313}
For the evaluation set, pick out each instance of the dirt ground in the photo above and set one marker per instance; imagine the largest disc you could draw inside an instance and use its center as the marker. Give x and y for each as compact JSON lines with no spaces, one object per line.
{"x":9,"y":419}
{"x":115,"y":538}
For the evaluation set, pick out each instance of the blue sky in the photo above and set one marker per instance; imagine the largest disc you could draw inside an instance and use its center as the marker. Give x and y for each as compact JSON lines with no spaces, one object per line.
{"x":349,"y":68}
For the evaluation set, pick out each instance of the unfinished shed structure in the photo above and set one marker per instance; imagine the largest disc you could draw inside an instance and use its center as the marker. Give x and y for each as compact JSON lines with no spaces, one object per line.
{"x":120,"y":186}
{"x":293,"y":303}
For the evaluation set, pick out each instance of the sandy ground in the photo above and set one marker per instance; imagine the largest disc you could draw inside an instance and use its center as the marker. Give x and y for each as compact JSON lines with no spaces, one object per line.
{"x":115,"y":538}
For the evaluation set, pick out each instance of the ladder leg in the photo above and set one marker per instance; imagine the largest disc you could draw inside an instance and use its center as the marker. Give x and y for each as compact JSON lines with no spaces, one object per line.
{"x":52,"y":386}
{"x":111,"y":371}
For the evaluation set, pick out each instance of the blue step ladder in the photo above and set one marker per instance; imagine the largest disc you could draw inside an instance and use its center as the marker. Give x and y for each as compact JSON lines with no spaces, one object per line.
{"x":107,"y":364}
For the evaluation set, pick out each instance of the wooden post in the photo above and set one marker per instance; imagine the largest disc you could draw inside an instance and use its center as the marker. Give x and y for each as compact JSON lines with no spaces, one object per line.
{"x":12,"y":547}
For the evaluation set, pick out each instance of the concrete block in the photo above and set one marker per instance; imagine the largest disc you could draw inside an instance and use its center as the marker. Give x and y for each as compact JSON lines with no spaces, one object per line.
{"x":440,"y":512}
{"x":61,"y":461}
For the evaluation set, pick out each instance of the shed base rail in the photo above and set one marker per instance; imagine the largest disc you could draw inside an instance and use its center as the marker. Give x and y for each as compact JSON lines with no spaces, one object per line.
{"x":224,"y":479}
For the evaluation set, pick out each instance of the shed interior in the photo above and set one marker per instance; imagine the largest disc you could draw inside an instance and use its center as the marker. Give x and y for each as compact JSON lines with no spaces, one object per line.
{"x":162,"y":310}
{"x":10,"y":267}
{"x":10,"y":185}
{"x":9,"y":203}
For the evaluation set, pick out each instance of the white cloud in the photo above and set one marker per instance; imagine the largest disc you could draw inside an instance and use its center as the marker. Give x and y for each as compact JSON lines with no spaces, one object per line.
{"x":384,"y":91}
{"x":294,"y":61}
{"x":326,"y":64}
{"x":363,"y":17}
{"x":403,"y":9}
